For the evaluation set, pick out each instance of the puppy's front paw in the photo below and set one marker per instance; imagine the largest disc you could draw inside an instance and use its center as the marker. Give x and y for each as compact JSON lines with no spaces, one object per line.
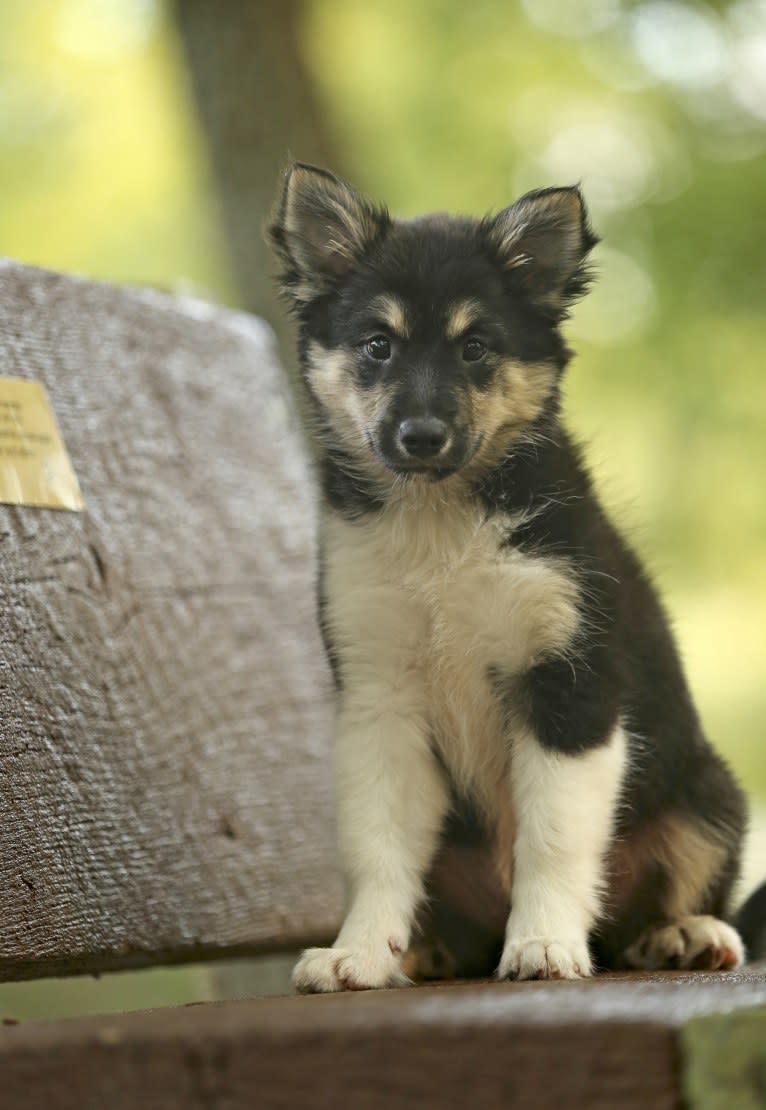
{"x":322,"y":970}
{"x":544,"y":958}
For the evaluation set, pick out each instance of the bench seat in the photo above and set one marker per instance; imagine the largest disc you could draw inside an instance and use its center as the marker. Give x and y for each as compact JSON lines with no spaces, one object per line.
{"x":618,"y":1041}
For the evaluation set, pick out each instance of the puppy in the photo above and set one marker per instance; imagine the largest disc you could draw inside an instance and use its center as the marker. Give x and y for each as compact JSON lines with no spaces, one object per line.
{"x":523,"y":783}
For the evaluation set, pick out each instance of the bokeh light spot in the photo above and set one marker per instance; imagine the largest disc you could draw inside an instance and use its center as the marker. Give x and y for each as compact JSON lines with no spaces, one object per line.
{"x":679,"y":43}
{"x":104,"y":30}
{"x":572,"y":17}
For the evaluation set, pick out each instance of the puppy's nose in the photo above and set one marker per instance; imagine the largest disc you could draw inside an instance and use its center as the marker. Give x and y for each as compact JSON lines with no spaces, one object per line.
{"x":423,"y":437}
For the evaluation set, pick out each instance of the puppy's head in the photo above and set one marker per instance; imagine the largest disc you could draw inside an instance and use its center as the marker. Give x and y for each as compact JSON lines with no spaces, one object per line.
{"x":429,"y":345}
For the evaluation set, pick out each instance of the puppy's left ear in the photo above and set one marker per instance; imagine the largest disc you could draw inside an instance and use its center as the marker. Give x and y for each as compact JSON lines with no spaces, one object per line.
{"x":543,"y":240}
{"x":321,"y":228}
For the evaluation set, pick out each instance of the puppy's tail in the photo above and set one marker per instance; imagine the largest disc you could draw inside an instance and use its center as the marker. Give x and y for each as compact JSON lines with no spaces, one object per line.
{"x":751,"y":924}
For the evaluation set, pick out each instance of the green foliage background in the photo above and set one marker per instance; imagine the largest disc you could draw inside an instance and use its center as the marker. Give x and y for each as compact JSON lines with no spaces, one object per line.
{"x":658,"y":108}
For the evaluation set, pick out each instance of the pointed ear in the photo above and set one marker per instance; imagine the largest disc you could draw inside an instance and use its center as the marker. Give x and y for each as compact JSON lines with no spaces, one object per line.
{"x":543,"y":240}
{"x":320,"y":229}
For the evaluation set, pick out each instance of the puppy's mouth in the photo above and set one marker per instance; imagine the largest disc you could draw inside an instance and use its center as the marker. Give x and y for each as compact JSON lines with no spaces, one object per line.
{"x":431,"y":470}
{"x":431,"y":473}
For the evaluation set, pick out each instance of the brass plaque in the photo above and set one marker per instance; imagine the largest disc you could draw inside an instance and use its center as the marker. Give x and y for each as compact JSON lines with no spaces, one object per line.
{"x":34,"y":464}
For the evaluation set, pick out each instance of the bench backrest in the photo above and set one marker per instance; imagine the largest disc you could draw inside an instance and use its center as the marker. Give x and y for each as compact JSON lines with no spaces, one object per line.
{"x":164,"y":701}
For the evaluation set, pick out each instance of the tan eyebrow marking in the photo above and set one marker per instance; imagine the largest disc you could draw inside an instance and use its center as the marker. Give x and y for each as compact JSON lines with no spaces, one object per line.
{"x":460,"y":316}
{"x":392,"y":313}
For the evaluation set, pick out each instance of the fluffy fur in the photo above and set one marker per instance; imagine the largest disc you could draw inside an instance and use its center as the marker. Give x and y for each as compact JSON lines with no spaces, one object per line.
{"x":523,"y":781}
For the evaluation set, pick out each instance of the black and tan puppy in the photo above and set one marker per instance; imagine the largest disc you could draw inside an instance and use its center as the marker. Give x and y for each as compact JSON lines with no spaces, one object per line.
{"x":505,"y":670}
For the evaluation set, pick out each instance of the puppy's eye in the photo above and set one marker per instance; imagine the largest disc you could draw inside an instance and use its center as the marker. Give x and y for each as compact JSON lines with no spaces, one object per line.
{"x":378,"y":348}
{"x":473,"y":350}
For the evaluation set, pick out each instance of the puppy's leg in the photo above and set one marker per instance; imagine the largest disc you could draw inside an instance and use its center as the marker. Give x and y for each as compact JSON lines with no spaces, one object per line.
{"x":697,"y":867}
{"x":564,"y":807}
{"x":391,"y":803}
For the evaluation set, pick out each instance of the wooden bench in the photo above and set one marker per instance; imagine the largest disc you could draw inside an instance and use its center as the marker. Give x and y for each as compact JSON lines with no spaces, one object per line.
{"x":165,"y":785}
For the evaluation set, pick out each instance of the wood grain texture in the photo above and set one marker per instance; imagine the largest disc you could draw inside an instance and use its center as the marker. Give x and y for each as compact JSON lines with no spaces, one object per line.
{"x":164,"y":701}
{"x":606,"y":1043}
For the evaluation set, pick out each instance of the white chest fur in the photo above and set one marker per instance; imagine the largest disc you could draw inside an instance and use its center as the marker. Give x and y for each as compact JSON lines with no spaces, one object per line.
{"x":423,"y":600}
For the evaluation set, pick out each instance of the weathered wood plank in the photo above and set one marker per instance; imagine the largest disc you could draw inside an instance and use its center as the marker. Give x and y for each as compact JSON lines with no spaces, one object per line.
{"x":164,"y":709}
{"x":600,"y":1044}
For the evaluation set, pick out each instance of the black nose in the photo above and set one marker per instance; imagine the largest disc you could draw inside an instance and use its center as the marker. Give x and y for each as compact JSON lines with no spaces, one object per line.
{"x":423,"y":437}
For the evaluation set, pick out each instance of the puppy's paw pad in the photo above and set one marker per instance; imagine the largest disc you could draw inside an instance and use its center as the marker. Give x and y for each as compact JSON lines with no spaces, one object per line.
{"x":697,"y":943}
{"x":323,"y":970}
{"x":544,"y":958}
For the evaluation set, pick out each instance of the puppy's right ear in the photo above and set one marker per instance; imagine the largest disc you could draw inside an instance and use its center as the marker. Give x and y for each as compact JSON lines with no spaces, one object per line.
{"x":321,"y":228}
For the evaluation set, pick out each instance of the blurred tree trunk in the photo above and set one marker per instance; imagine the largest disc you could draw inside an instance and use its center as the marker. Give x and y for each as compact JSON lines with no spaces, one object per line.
{"x":257,"y":108}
